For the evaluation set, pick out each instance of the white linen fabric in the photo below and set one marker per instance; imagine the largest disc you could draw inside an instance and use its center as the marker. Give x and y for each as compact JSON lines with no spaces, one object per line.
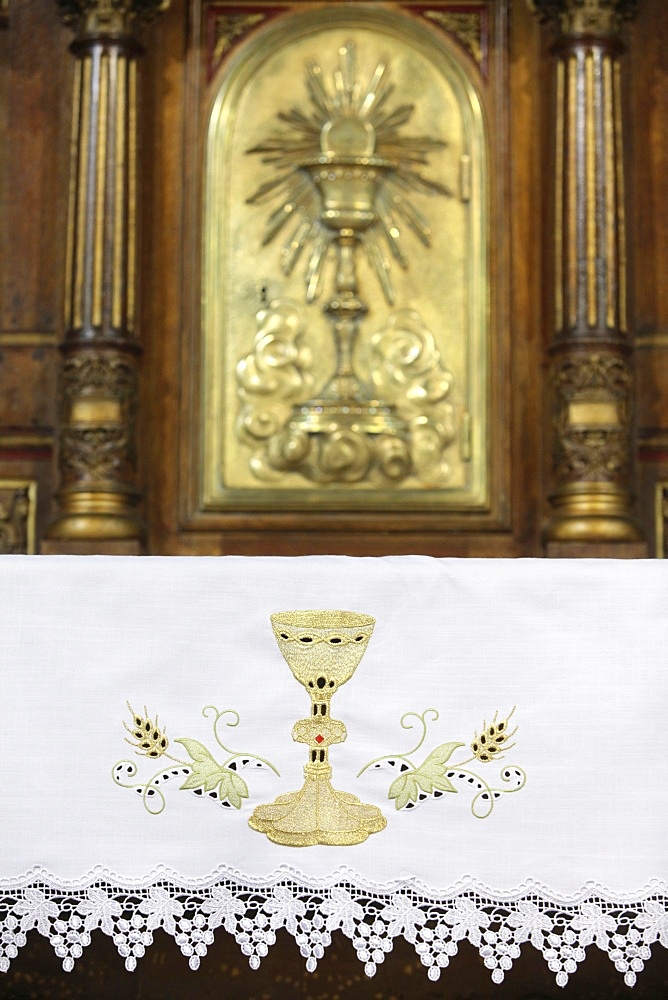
{"x":558,"y":841}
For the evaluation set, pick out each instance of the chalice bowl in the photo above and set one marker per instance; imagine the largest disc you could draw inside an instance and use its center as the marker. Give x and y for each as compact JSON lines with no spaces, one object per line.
{"x":323,"y":650}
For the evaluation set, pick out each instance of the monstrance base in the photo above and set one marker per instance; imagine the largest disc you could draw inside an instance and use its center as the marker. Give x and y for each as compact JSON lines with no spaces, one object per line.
{"x":317,"y":814}
{"x":366,"y":416}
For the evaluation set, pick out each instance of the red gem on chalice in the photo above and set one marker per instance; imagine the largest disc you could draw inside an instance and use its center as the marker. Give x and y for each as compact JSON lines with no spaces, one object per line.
{"x":320,"y":739}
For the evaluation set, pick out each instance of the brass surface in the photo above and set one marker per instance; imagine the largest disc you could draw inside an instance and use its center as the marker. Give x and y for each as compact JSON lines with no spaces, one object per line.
{"x":18,"y":440}
{"x":649,"y":341}
{"x":560,"y":153}
{"x":27,"y":338}
{"x":592,"y":512}
{"x":90,"y":515}
{"x":18,"y":508}
{"x":621,"y":197}
{"x":596,"y":412}
{"x":573,"y":155}
{"x":131,"y":167}
{"x":264,"y":345}
{"x":590,"y":200}
{"x":119,"y":252}
{"x":82,"y":127}
{"x":610,"y":192}
{"x":100,"y":190}
{"x":72,"y":206}
{"x":92,"y":410}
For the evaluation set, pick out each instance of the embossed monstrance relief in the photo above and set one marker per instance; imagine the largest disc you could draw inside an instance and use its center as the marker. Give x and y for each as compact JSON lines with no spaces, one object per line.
{"x":345,"y":269}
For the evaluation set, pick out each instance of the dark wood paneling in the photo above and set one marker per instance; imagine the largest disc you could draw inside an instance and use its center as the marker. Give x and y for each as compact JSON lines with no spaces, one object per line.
{"x":648,"y":203}
{"x":34,"y":122}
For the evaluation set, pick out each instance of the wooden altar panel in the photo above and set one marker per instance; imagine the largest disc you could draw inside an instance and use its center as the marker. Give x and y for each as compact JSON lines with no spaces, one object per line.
{"x":514,"y":526}
{"x":648,"y":70}
{"x":34,"y":124}
{"x":35,"y":92}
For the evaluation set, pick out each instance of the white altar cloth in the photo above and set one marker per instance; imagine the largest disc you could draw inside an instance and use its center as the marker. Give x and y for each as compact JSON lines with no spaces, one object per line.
{"x":556,"y":836}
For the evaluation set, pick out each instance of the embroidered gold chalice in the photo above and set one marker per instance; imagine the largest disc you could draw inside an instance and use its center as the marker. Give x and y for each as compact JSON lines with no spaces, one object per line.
{"x":322,"y":649}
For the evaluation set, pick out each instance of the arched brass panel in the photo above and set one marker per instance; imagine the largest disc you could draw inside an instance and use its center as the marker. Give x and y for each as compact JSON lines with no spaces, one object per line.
{"x":367,"y":175}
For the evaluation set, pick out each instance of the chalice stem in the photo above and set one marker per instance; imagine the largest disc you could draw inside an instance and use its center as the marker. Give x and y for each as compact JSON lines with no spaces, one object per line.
{"x":345,"y":310}
{"x":346,"y":272}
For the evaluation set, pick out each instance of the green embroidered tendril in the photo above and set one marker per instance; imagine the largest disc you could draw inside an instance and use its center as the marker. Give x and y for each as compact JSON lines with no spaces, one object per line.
{"x":494,"y":792}
{"x":152,"y":795}
{"x":234,"y":755}
{"x":422,"y":719}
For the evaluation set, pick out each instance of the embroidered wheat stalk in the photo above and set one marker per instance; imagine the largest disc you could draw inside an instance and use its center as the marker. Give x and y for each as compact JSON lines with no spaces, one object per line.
{"x":493,"y":739}
{"x":149,"y":739}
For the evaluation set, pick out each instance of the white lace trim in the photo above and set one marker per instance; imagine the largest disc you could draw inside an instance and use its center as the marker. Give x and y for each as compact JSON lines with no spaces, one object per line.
{"x":252,"y":910}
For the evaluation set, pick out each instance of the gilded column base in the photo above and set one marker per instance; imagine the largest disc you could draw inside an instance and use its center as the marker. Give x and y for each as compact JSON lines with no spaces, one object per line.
{"x":591,"y":512}
{"x":96,"y":515}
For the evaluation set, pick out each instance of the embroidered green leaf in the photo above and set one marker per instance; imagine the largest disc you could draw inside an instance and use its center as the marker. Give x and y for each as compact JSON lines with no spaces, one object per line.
{"x":208,"y":774}
{"x":431,"y":774}
{"x":442,"y":754}
{"x":233,"y":788}
{"x":205,"y":770}
{"x":404,"y":789}
{"x":427,"y":778}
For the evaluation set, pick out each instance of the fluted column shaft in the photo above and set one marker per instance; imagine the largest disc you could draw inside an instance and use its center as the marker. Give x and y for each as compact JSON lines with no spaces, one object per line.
{"x":98,"y":495}
{"x":590,"y":354}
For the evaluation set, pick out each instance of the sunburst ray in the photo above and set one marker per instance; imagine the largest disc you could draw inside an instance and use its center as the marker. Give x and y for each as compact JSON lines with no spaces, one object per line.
{"x":311,"y":137}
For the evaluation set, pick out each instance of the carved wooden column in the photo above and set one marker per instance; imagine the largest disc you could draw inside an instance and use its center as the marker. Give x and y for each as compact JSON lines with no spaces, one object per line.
{"x":98,"y":497}
{"x":591,"y":372}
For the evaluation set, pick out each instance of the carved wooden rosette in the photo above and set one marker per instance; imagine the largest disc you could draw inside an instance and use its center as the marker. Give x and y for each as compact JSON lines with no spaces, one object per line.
{"x":97,"y":455}
{"x":591,"y":372}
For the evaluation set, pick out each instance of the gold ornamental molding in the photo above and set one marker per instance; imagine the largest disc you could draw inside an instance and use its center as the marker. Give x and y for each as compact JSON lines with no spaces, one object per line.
{"x":114,"y":17}
{"x":586,"y":17}
{"x":593,"y":395}
{"x":468,"y":27}
{"x":18,"y":506}
{"x":661,"y":518}
{"x":27,"y":338}
{"x":228,"y":30}
{"x":650,"y":341}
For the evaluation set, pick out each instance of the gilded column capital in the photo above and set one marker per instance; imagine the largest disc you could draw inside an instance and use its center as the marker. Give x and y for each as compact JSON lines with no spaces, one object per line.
{"x":585,"y":17}
{"x":107,"y":17}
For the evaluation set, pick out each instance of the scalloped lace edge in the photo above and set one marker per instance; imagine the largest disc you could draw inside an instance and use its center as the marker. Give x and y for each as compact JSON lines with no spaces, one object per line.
{"x":371,"y":915}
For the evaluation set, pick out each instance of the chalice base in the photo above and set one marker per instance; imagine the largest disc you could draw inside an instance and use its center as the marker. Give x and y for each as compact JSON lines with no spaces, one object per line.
{"x":317,"y":814}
